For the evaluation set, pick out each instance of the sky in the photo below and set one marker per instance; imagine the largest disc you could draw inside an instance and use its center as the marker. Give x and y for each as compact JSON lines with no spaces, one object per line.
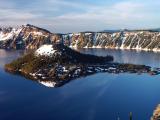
{"x":81,"y":15}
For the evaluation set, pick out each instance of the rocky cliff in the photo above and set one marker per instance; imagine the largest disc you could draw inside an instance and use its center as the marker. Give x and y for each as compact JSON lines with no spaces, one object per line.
{"x":140,"y":40}
{"x":156,"y":113}
{"x":25,"y":37}
{"x":31,"y":37}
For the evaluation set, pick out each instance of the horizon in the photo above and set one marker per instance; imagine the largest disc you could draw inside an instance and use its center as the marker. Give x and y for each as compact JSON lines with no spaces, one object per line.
{"x":88,"y":15}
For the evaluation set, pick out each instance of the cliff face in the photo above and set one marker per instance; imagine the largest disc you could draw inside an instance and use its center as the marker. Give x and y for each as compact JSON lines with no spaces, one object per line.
{"x":140,"y":40}
{"x":25,"y":37}
{"x":31,"y":37}
{"x":156,"y":113}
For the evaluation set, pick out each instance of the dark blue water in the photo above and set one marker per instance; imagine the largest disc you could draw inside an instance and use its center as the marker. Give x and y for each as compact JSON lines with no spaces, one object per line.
{"x":101,"y":96}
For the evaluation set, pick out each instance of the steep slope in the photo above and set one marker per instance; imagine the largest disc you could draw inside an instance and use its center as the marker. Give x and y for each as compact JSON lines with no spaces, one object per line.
{"x":25,"y":37}
{"x":140,"y":40}
{"x":156,"y":113}
{"x":32,"y":37}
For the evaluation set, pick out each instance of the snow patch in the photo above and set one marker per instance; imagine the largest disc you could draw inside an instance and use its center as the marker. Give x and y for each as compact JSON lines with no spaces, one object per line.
{"x":9,"y":35}
{"x":5,"y":36}
{"x":45,"y":50}
{"x":38,"y":33}
{"x":48,"y":83}
{"x":88,"y":33}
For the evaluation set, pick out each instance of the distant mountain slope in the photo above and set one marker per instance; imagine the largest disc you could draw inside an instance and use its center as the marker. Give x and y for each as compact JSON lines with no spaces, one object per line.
{"x":32,"y":37}
{"x":26,"y":36}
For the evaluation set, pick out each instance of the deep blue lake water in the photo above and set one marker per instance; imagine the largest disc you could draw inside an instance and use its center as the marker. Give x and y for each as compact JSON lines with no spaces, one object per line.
{"x":102,"y":96}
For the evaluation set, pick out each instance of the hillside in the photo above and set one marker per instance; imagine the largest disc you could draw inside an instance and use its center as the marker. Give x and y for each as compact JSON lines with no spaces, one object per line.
{"x":25,"y":37}
{"x":32,"y":37}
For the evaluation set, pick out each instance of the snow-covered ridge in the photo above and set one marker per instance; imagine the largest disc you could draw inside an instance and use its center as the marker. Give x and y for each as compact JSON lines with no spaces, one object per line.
{"x":46,"y":50}
{"x":6,"y":35}
{"x":32,"y":37}
{"x":24,"y":37}
{"x":25,"y":30}
{"x":137,"y":40}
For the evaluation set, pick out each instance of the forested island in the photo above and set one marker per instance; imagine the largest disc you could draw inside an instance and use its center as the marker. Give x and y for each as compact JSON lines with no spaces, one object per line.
{"x":60,"y":64}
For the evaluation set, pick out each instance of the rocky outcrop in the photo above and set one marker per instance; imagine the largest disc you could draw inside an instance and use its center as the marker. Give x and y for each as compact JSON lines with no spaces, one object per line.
{"x":156,"y":113}
{"x":26,"y":37}
{"x":139,"y":40}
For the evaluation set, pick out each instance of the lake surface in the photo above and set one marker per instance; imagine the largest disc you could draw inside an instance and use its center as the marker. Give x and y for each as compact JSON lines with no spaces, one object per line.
{"x":102,"y":96}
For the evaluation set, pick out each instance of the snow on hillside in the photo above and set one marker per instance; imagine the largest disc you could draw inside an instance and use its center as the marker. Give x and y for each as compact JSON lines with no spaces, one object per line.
{"x":9,"y":35}
{"x":5,"y":36}
{"x":45,"y":50}
{"x":49,"y":84}
{"x":38,"y":33}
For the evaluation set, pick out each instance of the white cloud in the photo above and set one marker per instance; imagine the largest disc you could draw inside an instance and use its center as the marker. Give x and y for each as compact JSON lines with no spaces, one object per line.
{"x":15,"y":15}
{"x":70,"y":4}
{"x":126,"y":14}
{"x":120,"y":14}
{"x":5,"y":4}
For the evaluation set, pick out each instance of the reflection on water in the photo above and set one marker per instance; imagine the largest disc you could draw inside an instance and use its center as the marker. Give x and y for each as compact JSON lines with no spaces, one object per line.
{"x":128,"y":56}
{"x":8,"y":56}
{"x":101,"y":96}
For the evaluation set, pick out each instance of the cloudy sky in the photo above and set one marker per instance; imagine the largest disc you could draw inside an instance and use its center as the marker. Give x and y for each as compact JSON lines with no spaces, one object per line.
{"x":81,"y":15}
